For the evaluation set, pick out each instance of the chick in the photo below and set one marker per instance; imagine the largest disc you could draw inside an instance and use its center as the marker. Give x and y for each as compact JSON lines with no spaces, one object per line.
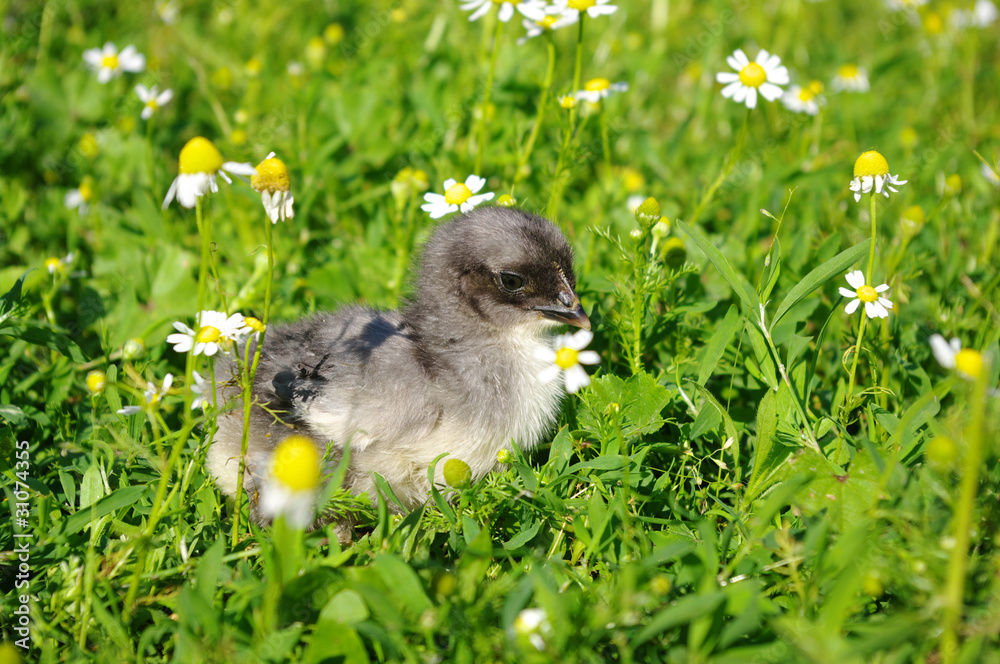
{"x":455,"y":371}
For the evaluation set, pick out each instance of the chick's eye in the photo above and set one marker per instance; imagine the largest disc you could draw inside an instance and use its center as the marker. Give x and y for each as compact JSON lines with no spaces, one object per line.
{"x":511,"y":281}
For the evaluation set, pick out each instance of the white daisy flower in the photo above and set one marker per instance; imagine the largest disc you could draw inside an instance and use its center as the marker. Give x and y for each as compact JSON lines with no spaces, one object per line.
{"x":252,"y":327}
{"x":291,"y":486}
{"x":202,"y":390}
{"x":871,"y":173}
{"x":152,"y":99}
{"x":480,"y":8}
{"x":546,"y":23}
{"x":983,"y":14}
{"x":802,"y":100}
{"x":129,"y":410}
{"x":457,"y":196}
{"x":594,"y":8}
{"x":951,"y":355}
{"x":876,"y":306}
{"x":765,"y":74}
{"x":200,"y":161}
{"x":109,"y":63}
{"x":152,"y":394}
{"x":597,"y":89}
{"x":54,"y":264}
{"x":851,"y":78}
{"x":82,"y":197}
{"x":271,"y":179}
{"x":214,"y":331}
{"x":567,"y":358}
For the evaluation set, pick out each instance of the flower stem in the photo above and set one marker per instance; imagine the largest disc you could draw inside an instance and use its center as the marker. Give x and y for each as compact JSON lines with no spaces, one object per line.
{"x":540,"y":115}
{"x":854,"y":363}
{"x":251,"y":373}
{"x":484,"y":108}
{"x":555,"y":193}
{"x":964,"y":512}
{"x":871,"y":251}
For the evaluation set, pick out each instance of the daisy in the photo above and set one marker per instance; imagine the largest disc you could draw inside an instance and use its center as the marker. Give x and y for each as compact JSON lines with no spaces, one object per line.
{"x":54,"y":264}
{"x":152,"y":394}
{"x":214,"y":328}
{"x":152,"y":99}
{"x":764,"y":74}
{"x":108,"y":62}
{"x":202,"y":391}
{"x":457,"y":196}
{"x":594,"y":8}
{"x":802,"y":100}
{"x":850,"y":77}
{"x":871,"y":173}
{"x":253,"y":327}
{"x":568,"y":358}
{"x":546,"y":23}
{"x":876,"y":306}
{"x":270,"y":178}
{"x":82,"y":197}
{"x":529,"y":8}
{"x":951,"y":355}
{"x":567,"y":101}
{"x":200,"y":161}
{"x":597,"y":89}
{"x":291,"y":485}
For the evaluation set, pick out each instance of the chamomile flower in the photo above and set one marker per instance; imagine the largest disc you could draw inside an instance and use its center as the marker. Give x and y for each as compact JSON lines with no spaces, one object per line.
{"x":200,"y":162}
{"x":851,"y":78}
{"x":270,"y":178}
{"x":871,"y":173}
{"x":152,"y":394}
{"x":96,"y":381}
{"x":202,"y":391}
{"x":567,"y":102}
{"x":82,"y":197}
{"x":568,"y":358}
{"x":802,"y":100}
{"x":594,"y":8}
{"x":252,"y":327}
{"x":54,"y":264}
{"x":457,"y":196}
{"x":109,"y":63}
{"x":546,"y":23}
{"x":480,"y":8}
{"x":951,"y":355}
{"x":876,"y":306}
{"x":215,"y":331}
{"x":152,"y":99}
{"x":597,"y":89}
{"x":291,"y":485}
{"x":764,"y":75}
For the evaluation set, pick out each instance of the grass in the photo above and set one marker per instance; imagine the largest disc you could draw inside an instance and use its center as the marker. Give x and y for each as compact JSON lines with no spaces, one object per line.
{"x":737,"y":484}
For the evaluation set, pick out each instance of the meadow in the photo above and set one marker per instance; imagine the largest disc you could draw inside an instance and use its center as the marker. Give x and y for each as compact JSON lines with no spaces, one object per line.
{"x":781,"y":456}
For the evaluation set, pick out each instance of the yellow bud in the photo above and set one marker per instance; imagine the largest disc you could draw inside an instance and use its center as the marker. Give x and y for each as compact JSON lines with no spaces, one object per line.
{"x":872,"y":584}
{"x":457,"y":473}
{"x":941,"y":452}
{"x":953,"y":185}
{"x":506,"y":201}
{"x":96,"y":381}
{"x":649,"y":210}
{"x":674,"y":252}
{"x":296,"y":464}
{"x":271,"y":175}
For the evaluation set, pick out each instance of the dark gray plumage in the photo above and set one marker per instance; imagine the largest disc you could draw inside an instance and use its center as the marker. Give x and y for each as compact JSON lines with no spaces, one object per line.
{"x":454,"y":371}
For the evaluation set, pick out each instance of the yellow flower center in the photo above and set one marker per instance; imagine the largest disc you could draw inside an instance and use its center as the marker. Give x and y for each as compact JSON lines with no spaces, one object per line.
{"x":848,"y":71}
{"x":53,"y":264}
{"x":254,"y":324}
{"x":867,"y":294}
{"x":271,"y":175}
{"x":152,"y":104}
{"x":457,"y":194}
{"x":96,"y":381}
{"x":568,"y":101}
{"x":506,"y":201}
{"x":87,"y":189}
{"x":753,"y":75}
{"x":871,"y":163}
{"x":816,"y":87}
{"x":200,"y":155}
{"x":208,"y":334}
{"x":581,"y":5}
{"x":296,"y":464}
{"x":110,"y":61}
{"x":597,"y":84}
{"x":566,"y":358}
{"x":805,"y":94}
{"x":969,"y":362}
{"x":547,"y":22}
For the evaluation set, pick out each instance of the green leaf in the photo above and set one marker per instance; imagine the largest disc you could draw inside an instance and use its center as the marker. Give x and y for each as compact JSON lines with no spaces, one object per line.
{"x":683,"y":612}
{"x":48,"y":338}
{"x":12,"y":298}
{"x":736,"y":282}
{"x":820,"y":275}
{"x":345,"y":608}
{"x":92,"y":487}
{"x":523,"y":537}
{"x":640,"y":400}
{"x":14,"y":415}
{"x":124,"y":497}
{"x":403,"y":582}
{"x":771,"y":272}
{"x":717,"y":344}
{"x":727,"y":421}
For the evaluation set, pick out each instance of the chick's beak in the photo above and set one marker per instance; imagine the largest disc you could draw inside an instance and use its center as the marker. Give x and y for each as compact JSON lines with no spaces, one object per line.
{"x":568,"y":310}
